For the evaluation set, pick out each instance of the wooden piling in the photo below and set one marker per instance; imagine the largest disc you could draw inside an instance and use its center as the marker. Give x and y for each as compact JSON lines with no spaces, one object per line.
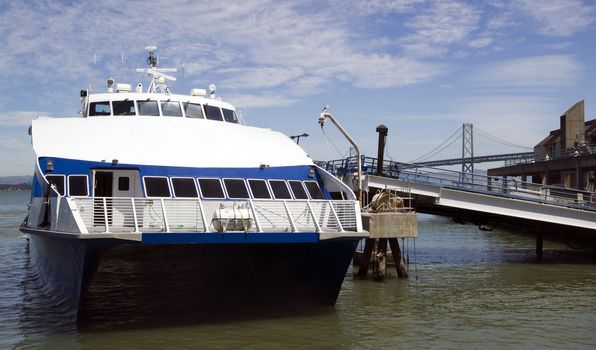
{"x":365,"y":260}
{"x":398,"y":258}
{"x":380,"y":267}
{"x":539,"y":246}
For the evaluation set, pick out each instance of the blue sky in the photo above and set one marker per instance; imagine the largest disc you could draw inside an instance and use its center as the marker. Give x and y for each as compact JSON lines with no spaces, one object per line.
{"x":421,"y":67}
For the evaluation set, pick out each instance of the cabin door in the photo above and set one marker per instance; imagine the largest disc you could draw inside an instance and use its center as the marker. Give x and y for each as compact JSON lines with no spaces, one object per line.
{"x":119,"y":186}
{"x":102,"y":187}
{"x":102,"y":183}
{"x":116,"y":183}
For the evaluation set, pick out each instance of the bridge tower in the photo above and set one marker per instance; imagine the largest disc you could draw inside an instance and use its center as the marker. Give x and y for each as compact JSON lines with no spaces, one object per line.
{"x":467,"y":153}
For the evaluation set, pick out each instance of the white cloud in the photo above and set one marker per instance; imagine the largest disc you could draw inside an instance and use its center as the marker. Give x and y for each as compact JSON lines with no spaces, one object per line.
{"x":19,"y":118}
{"x":560,"y":46}
{"x":261,"y":44}
{"x":500,"y":21}
{"x":260,"y":77}
{"x":558,"y":18}
{"x":380,"y":71}
{"x":550,"y":71}
{"x":368,"y":7}
{"x":260,"y":101}
{"x":480,"y":42}
{"x":444,"y":24}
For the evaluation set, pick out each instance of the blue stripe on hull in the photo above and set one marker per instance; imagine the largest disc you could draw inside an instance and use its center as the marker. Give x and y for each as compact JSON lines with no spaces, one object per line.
{"x":74,"y":166}
{"x":229,"y":238}
{"x":67,"y":167}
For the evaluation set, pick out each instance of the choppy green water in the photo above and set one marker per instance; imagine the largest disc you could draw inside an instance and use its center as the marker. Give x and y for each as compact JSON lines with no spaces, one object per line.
{"x":474,"y":289}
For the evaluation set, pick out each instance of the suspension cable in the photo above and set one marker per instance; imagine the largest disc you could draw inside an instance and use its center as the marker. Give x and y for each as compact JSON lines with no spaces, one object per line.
{"x":432,"y":152}
{"x":499,"y":140}
{"x":437,"y":151}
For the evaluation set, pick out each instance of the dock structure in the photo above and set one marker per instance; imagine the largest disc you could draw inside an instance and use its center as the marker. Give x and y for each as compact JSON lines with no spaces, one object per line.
{"x":483,"y":200}
{"x":387,"y":216}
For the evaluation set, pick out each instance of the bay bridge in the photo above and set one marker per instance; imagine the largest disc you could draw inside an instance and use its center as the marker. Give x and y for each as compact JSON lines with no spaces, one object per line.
{"x":469,"y":196}
{"x":464,"y":136}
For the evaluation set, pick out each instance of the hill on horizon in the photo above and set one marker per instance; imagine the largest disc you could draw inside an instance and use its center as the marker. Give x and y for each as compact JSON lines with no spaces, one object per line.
{"x":14,"y":180}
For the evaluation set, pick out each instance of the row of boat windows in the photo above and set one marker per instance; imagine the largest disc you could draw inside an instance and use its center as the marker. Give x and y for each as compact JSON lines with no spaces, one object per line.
{"x":208,"y":188}
{"x":214,"y":188}
{"x":154,"y":108}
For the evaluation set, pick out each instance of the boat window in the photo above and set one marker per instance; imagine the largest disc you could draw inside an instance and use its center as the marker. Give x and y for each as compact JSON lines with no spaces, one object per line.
{"x":78,"y":186}
{"x":313,"y":189}
{"x":280,"y":189}
{"x":298,"y":189}
{"x":123,"y":183}
{"x":193,"y":110}
{"x":99,"y":108}
{"x":58,"y":181}
{"x":230,"y":115}
{"x":171,"y":109}
{"x":236,"y":188}
{"x":259,"y":189}
{"x":213,"y":112}
{"x":156,"y":186}
{"x":184,"y":187}
{"x":211,"y":188}
{"x":148,"y":108}
{"x":124,"y":107}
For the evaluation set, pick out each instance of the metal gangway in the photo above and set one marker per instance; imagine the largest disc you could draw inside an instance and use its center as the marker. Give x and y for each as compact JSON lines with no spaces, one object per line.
{"x":501,"y":196}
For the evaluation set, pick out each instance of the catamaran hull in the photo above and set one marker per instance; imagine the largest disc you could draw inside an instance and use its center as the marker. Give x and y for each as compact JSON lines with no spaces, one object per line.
{"x":109,"y":276}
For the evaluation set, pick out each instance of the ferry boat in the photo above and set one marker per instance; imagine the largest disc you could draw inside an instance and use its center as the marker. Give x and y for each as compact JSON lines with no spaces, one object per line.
{"x":154,"y":193}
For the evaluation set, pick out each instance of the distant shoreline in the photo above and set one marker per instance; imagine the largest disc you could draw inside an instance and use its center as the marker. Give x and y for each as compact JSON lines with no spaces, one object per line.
{"x":15,"y":187}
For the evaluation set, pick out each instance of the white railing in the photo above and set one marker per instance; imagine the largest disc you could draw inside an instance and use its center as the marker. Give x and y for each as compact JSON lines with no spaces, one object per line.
{"x":111,"y":214}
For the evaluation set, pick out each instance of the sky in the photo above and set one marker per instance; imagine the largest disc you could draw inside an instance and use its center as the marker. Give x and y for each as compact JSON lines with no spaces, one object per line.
{"x":420,"y":67}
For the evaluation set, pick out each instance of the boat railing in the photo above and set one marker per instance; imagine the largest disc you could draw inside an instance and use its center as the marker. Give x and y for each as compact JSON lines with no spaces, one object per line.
{"x":125,"y":214}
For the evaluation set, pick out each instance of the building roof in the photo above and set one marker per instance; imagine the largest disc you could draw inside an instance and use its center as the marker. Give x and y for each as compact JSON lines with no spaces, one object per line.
{"x":555,"y":135}
{"x":552,"y":138}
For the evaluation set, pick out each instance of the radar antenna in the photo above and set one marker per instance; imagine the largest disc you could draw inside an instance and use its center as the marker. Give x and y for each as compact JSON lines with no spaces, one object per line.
{"x":158,"y":79}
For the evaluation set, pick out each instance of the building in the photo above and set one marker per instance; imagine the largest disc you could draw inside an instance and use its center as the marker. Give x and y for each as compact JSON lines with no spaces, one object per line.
{"x":566,"y":157}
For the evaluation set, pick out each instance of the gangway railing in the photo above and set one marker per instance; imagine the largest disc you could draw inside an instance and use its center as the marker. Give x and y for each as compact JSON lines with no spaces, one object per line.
{"x":499,"y":186}
{"x":575,"y":151}
{"x":135,"y":215}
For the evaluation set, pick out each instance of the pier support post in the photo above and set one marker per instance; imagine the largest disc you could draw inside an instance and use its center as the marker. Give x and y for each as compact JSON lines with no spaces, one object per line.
{"x":579,"y":176}
{"x":524,"y":179}
{"x":398,"y":258}
{"x":380,"y":266}
{"x":369,"y":244}
{"x":539,"y":244}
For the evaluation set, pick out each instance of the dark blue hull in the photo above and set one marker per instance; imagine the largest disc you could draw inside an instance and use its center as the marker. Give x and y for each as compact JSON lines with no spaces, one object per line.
{"x":109,"y":276}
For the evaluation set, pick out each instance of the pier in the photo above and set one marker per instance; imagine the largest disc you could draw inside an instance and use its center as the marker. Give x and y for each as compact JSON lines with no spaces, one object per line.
{"x":484,"y":200}
{"x":549,"y":191}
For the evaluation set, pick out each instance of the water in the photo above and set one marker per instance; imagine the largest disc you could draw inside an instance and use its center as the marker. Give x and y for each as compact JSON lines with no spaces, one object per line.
{"x":474,"y":289}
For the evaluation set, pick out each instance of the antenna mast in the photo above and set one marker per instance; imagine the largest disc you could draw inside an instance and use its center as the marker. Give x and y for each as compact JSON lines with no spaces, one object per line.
{"x":94,"y":61}
{"x":122,"y":65}
{"x":158,"y":79}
